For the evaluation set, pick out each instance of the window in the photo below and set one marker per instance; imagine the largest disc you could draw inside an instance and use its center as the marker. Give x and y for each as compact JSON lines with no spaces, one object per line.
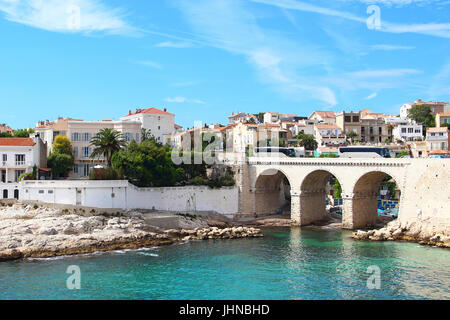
{"x":5,"y":157}
{"x":410,"y":130}
{"x":86,"y":168}
{"x":86,"y":152}
{"x":348,"y":119}
{"x":355,"y":118}
{"x":41,"y":191}
{"x":403,"y":130}
{"x":418,"y":131}
{"x":128,"y":137}
{"x":75,"y":152}
{"x":137,"y":137}
{"x":75,"y":169}
{"x":76,"y":136}
{"x":86,"y":136}
{"x":20,"y":159}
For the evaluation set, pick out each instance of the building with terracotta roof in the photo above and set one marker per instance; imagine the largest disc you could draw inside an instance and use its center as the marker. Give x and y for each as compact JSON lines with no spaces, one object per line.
{"x":160,"y":122}
{"x":5,"y":129}
{"x":436,"y":107}
{"x":19,"y":156}
{"x":323,"y":117}
{"x":443,"y":119}
{"x":438,"y":139}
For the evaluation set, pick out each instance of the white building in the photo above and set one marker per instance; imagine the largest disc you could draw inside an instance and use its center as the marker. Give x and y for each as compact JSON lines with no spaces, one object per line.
{"x":81,"y":132}
{"x":19,"y":156}
{"x":160,"y":122}
{"x":436,"y":107}
{"x":405,"y":129}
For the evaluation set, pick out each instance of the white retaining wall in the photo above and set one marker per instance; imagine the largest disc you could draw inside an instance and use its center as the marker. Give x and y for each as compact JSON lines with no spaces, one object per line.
{"x":123,"y":195}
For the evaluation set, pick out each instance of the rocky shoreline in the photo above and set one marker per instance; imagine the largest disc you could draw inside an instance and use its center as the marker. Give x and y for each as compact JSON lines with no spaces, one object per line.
{"x":422,"y":232}
{"x":40,"y":232}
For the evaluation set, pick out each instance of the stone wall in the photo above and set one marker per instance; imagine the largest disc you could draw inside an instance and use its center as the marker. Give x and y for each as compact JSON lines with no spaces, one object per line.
{"x":122,"y":195}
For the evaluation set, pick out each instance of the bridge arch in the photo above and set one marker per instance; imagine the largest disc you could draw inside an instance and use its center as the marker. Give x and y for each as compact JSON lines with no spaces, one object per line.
{"x":272,"y":192}
{"x":365,"y":196}
{"x":313,"y":194}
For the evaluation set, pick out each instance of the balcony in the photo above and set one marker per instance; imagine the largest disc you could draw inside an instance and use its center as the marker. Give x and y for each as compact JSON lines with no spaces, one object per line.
{"x":15,"y":164}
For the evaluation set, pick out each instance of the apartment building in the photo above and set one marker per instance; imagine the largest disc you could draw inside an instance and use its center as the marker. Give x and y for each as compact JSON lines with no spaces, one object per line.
{"x":49,"y":130}
{"x":329,"y":135}
{"x":81,"y":132}
{"x":369,"y":127}
{"x":436,"y":107}
{"x":19,"y":156}
{"x":404,"y":129}
{"x":242,"y":136}
{"x":438,"y":139}
{"x":160,"y":122}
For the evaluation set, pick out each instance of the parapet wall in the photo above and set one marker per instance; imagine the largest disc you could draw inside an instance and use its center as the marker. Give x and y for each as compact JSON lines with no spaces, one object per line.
{"x":123,"y":195}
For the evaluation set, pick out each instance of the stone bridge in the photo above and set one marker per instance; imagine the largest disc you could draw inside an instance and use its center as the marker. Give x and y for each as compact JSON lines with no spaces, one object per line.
{"x":264,"y":183}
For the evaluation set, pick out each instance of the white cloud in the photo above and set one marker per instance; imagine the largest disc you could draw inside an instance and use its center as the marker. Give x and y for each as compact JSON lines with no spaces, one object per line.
{"x":388,"y":47}
{"x":149,"y":63}
{"x":170,"y":44}
{"x":432,"y":29}
{"x":183,"y":100}
{"x":69,"y":16}
{"x":279,"y":61}
{"x":371,"y":96}
{"x":382,"y":73}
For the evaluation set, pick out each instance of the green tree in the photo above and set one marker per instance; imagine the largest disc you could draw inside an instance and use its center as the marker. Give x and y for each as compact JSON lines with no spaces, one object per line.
{"x":63,"y":145}
{"x":308,"y":141}
{"x":252,"y":121}
{"x":60,"y":163}
{"x":23,"y":133}
{"x":337,"y":189}
{"x":61,"y":159}
{"x":106,"y":143}
{"x":147,"y":164}
{"x":422,"y":114}
{"x":352,"y":135}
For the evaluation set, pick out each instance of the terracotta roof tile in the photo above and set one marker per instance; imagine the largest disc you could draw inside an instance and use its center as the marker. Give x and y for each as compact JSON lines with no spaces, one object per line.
{"x":150,"y":111}
{"x":21,"y":142}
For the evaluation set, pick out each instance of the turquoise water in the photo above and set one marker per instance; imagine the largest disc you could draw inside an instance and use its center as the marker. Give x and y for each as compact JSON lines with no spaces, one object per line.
{"x":286,"y":264}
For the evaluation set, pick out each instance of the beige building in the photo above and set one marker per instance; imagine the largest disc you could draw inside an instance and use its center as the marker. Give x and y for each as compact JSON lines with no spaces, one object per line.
{"x":442,"y":119}
{"x":329,"y":135}
{"x":438,"y":139}
{"x":81,"y":132}
{"x":48,"y":130}
{"x":370,"y":128}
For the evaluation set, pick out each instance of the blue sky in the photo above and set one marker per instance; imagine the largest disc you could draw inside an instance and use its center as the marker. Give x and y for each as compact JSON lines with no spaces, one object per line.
{"x":203,"y":59}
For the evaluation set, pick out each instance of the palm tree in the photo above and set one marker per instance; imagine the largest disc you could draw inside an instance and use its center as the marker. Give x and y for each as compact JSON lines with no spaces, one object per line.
{"x":107,"y":142}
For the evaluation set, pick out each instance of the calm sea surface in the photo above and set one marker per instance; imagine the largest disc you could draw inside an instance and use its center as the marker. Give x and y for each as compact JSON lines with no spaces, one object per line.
{"x":285,"y":264}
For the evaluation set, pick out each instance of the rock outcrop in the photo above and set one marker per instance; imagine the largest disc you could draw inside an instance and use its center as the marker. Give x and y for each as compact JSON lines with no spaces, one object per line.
{"x":421,"y":232}
{"x":35,"y":231}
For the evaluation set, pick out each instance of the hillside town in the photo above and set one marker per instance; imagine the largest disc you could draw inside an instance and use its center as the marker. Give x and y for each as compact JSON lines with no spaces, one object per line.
{"x":321,"y":134}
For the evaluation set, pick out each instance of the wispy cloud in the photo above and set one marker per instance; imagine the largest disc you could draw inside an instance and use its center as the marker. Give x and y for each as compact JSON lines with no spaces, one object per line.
{"x":183,"y":100}
{"x":170,"y":44}
{"x":278,"y":60}
{"x":148,"y":63}
{"x":382,"y":73}
{"x":432,"y":29}
{"x":371,"y":96}
{"x":388,"y":47}
{"x":70,"y":16}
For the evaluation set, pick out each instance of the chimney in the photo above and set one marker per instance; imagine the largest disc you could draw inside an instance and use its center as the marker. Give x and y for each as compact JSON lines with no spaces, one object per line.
{"x":165,"y":109}
{"x":129,"y":112}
